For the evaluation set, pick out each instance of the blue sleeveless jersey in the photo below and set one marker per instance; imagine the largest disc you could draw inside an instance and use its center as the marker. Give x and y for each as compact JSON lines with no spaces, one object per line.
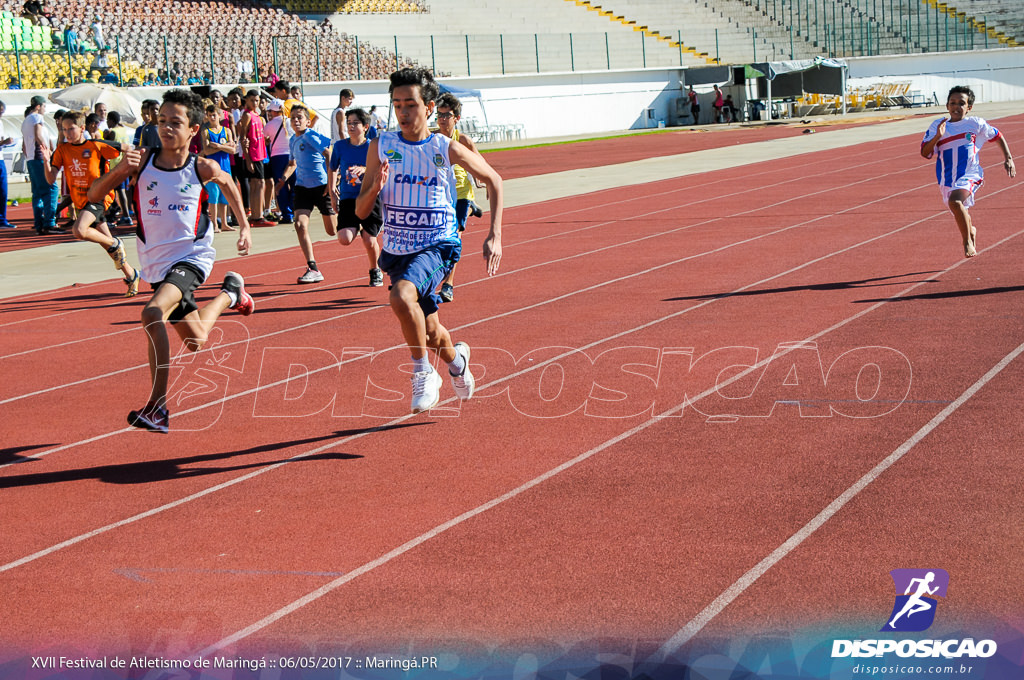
{"x":220,"y":157}
{"x":419,"y":195}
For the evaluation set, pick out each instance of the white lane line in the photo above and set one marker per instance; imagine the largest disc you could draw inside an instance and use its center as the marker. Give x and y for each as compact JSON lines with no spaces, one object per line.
{"x":480,"y":509}
{"x":546,"y":237}
{"x":580,"y":291}
{"x":687,"y":632}
{"x":82,"y":537}
{"x":559,"y":260}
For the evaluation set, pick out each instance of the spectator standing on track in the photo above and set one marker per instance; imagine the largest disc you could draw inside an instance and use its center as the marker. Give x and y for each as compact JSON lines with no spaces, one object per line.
{"x":339,"y":123}
{"x":277,"y":136}
{"x":36,"y":142}
{"x":100,"y":109}
{"x":449,"y":113}
{"x":283,"y":91}
{"x":254,"y":151}
{"x":176,"y":247}
{"x":268,"y":184}
{"x":118,"y":133}
{"x":694,"y":104}
{"x":65,"y":196}
{"x":92,"y":126}
{"x":958,"y":140}
{"x":82,"y":161}
{"x":377,"y":124}
{"x":348,"y":163}
{"x":4,"y":143}
{"x":218,"y":145}
{"x":718,"y":104}
{"x":238,"y":169}
{"x":420,"y":236}
{"x":309,"y":154}
{"x":147,"y":135}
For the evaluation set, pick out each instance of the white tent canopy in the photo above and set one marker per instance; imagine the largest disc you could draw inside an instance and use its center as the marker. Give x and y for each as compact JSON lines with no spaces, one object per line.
{"x":792,"y":78}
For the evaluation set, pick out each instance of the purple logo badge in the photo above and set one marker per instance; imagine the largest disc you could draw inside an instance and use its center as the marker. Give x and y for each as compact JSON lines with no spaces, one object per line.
{"x":914,"y":609}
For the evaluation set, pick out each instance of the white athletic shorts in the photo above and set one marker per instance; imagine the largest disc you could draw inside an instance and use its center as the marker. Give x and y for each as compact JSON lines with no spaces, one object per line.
{"x":971,"y":185}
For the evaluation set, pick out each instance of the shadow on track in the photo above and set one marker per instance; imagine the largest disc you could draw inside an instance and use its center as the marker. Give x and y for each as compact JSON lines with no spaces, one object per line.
{"x":144,"y":472}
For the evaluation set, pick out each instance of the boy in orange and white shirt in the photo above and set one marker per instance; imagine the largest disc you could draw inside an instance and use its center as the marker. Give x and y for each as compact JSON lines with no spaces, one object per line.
{"x":83,"y":162}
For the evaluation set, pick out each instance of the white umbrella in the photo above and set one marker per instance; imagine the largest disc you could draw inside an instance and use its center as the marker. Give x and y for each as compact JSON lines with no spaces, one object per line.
{"x":10,"y":128}
{"x":87,"y":95}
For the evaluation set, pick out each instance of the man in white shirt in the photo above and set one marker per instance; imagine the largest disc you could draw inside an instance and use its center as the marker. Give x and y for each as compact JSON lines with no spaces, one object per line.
{"x":339,"y":126}
{"x":35,"y":136}
{"x":97,"y":34}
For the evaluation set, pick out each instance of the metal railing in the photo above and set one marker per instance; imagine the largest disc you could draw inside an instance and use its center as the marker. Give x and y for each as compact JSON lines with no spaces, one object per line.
{"x":798,"y":29}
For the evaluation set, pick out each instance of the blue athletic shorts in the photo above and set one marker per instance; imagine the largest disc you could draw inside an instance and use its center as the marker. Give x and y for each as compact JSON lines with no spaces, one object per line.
{"x":425,"y":269}
{"x":214,"y":195}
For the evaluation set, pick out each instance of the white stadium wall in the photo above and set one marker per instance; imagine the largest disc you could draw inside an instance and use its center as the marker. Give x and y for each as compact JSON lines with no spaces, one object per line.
{"x":582,"y":103}
{"x":994,"y":75}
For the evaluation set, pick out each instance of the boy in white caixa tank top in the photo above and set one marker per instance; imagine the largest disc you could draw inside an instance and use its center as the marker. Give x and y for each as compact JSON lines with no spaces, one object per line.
{"x":175,"y":242}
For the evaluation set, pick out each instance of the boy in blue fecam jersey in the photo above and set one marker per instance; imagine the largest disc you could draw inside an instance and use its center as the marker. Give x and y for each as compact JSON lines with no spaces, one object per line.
{"x":348,"y":163}
{"x":309,"y":153}
{"x":411,"y":171}
{"x":959,"y":139}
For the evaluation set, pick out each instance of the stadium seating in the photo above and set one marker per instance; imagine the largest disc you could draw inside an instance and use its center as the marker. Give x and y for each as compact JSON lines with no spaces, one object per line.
{"x":1002,"y":20}
{"x":217,"y":36}
{"x":238,"y":40}
{"x":327,"y":7}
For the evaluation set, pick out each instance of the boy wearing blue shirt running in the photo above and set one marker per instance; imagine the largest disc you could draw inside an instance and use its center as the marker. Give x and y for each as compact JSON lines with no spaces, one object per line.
{"x":411,"y":171}
{"x":348,"y":163}
{"x":309,"y":153}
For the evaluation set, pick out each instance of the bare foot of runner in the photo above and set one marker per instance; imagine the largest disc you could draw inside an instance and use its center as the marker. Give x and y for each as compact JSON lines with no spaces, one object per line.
{"x":969,"y":247}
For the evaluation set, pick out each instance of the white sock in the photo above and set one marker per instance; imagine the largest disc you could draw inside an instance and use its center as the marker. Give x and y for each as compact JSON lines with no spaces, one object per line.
{"x":421,"y":365}
{"x":232,"y":295}
{"x":458,"y":365}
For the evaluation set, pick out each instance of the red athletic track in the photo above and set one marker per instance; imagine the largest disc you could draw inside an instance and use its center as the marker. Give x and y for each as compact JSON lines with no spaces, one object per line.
{"x":514,"y":163}
{"x":850,"y":249}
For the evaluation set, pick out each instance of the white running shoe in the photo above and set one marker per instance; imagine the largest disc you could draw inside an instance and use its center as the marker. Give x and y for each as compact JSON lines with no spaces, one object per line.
{"x":464,"y":384}
{"x":118,"y":255}
{"x":426,"y":390}
{"x":311,"y":276}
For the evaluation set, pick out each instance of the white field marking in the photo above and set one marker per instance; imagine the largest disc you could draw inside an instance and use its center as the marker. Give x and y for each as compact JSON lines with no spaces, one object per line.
{"x":691,"y":187}
{"x":828,"y":161}
{"x":688,"y":188}
{"x":702,"y":619}
{"x":617,"y":245}
{"x":101,"y":530}
{"x":222,"y":400}
{"x":480,"y":509}
{"x":473,"y":323}
{"x":472,"y":231}
{"x":138,"y":327}
{"x":129,"y":301}
{"x":249,"y":258}
{"x":69,"y":312}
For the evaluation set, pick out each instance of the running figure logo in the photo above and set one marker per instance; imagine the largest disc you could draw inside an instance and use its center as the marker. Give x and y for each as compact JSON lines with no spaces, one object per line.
{"x":914,"y":610}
